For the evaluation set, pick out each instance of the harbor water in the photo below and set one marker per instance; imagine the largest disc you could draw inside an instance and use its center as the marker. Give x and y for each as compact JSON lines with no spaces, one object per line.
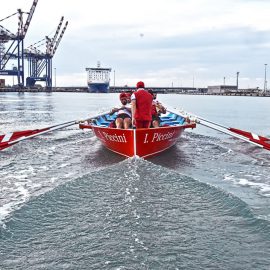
{"x":66,"y":202}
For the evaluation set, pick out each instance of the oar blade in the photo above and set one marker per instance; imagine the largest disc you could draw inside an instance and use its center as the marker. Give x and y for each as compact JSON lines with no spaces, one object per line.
{"x":263,"y":141}
{"x":10,"y":138}
{"x":4,"y":146}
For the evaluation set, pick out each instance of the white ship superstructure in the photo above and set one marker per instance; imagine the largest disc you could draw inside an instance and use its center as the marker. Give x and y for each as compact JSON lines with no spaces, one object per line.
{"x":98,"y":79}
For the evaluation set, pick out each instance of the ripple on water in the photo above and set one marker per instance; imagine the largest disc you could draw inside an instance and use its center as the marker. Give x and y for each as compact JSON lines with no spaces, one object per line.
{"x":135,"y":215}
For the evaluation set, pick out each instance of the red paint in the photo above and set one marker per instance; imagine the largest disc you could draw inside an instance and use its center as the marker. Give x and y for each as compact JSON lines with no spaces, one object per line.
{"x":149,"y":141}
{"x":7,"y":139}
{"x":265,"y":142}
{"x":117,"y":140}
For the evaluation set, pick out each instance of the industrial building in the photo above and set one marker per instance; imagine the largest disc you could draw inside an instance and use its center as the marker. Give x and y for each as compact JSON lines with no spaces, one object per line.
{"x":221,"y":89}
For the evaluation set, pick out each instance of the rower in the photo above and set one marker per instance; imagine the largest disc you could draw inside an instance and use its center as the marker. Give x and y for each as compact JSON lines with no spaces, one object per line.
{"x":128,"y":95}
{"x":141,"y":104}
{"x":123,"y":118}
{"x":157,"y":109}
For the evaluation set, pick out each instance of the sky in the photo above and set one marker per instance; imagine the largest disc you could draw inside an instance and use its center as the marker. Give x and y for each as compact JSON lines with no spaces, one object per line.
{"x":180,"y":43}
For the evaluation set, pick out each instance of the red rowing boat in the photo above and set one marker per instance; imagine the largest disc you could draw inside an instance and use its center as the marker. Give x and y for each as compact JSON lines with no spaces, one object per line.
{"x":138,"y":142}
{"x":144,"y":142}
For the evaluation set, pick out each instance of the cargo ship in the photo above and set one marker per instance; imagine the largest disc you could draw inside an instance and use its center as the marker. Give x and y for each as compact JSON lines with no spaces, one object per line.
{"x":98,"y":79}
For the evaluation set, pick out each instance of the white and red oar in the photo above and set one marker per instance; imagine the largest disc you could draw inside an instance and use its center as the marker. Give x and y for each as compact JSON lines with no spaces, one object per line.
{"x":11,"y":138}
{"x":247,"y":136}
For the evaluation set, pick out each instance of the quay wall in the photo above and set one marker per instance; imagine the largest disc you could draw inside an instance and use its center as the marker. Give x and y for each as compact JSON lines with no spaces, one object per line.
{"x":161,"y":90}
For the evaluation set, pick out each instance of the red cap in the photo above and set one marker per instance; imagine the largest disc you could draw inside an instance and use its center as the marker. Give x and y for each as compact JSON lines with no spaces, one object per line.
{"x":122,"y":95}
{"x":140,"y":84}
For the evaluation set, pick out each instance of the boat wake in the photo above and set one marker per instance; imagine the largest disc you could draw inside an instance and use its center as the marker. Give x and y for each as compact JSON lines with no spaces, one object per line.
{"x":28,"y":174}
{"x":129,"y":210}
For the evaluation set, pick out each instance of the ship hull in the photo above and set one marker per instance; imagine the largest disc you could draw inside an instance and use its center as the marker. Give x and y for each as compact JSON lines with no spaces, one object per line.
{"x":98,"y":88}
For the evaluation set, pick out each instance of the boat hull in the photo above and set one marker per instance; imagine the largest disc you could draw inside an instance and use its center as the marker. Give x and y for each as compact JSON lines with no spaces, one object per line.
{"x":153,"y":141}
{"x":139,"y":142}
{"x":119,"y":141}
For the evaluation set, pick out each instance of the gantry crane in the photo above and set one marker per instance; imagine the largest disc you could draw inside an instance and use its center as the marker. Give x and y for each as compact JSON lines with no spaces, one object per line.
{"x":39,"y":61}
{"x":16,"y":45}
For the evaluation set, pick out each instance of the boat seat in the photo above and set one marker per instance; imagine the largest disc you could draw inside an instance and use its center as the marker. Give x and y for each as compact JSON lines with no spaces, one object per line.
{"x":169,"y":123}
{"x":170,"y":115}
{"x":167,"y":119}
{"x":109,"y":117}
{"x":100,"y":121}
{"x":178,"y":121}
{"x":181,"y":120}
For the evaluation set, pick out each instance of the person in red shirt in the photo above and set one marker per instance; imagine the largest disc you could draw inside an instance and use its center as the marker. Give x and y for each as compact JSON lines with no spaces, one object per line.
{"x":141,"y":107}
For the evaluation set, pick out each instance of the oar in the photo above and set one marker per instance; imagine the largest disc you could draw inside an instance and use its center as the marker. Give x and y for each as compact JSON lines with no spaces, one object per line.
{"x":12,"y":138}
{"x":247,"y":136}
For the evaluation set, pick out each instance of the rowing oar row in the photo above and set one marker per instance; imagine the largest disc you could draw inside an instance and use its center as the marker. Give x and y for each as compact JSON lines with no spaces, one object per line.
{"x":246,"y":136}
{"x":12,"y":138}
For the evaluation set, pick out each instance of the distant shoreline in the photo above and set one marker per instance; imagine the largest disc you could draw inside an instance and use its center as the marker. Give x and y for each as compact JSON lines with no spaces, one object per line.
{"x":161,"y":90}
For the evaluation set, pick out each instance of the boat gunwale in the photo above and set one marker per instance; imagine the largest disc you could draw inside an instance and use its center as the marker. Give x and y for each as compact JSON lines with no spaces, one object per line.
{"x":90,"y":126}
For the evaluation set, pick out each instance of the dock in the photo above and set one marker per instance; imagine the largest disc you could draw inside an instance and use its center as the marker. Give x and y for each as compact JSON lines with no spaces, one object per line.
{"x":161,"y":90}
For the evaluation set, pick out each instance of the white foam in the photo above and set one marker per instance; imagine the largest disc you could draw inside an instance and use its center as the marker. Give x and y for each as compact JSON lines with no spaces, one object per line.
{"x":20,"y":195}
{"x":5,"y":210}
{"x":53,"y":179}
{"x":228,"y":177}
{"x":24,"y":192}
{"x":243,"y":182}
{"x":263,"y":189}
{"x":24,"y":174}
{"x":63,"y":165}
{"x":20,"y":176}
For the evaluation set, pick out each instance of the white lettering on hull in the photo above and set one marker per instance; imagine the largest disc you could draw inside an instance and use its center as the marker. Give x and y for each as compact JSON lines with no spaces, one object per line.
{"x":162,"y":137}
{"x":157,"y":137}
{"x":145,"y":138}
{"x":114,"y":138}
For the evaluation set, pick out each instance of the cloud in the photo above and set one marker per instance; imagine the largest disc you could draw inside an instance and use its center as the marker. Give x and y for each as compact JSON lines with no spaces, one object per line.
{"x":158,"y":41}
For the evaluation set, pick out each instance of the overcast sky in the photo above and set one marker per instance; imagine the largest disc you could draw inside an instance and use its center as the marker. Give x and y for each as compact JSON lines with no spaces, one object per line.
{"x":177,"y":42}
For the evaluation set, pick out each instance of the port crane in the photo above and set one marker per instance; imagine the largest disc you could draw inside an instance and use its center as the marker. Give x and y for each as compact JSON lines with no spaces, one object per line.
{"x":15,"y":50}
{"x":39,"y":61}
